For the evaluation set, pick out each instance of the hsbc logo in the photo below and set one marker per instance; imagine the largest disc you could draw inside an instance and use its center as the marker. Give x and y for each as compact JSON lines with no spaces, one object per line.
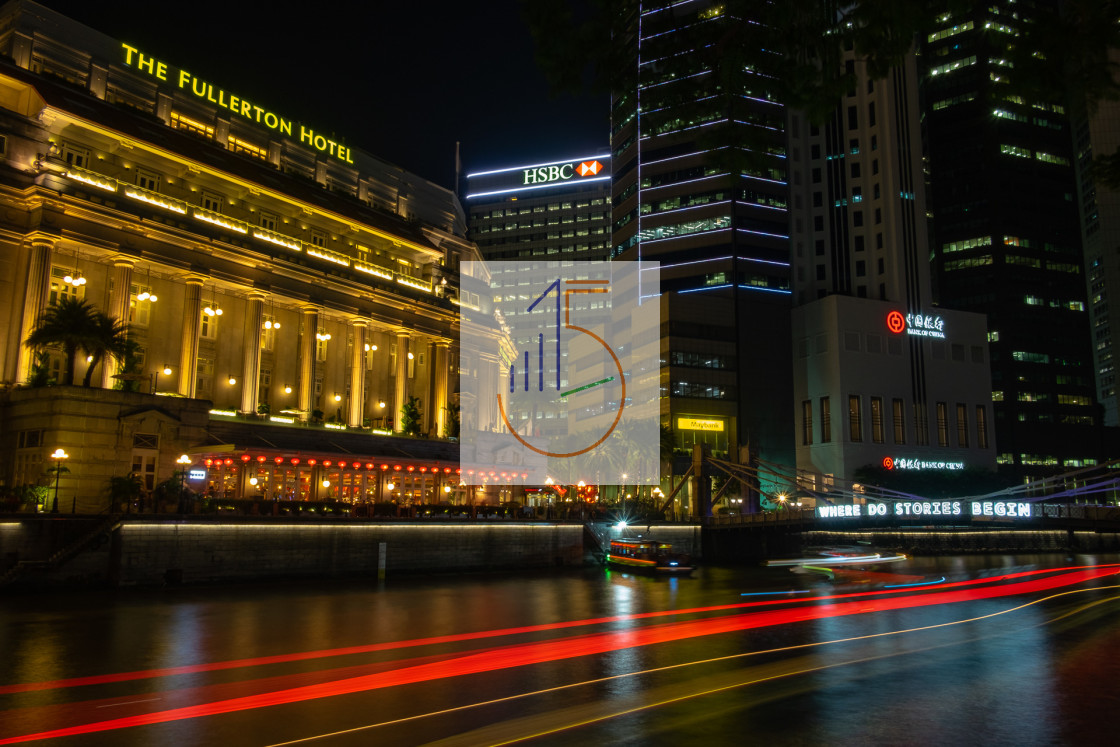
{"x":589,"y":168}
{"x":548,"y":174}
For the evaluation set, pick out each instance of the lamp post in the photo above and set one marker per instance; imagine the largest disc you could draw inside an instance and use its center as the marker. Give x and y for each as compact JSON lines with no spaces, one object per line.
{"x":58,"y":456}
{"x":183,"y":461}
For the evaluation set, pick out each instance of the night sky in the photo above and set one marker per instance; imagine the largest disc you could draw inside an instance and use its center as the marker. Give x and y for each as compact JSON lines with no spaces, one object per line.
{"x":403,"y":81}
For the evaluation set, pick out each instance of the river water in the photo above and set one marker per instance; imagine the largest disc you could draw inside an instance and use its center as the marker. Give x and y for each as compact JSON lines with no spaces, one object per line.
{"x":994,"y":650}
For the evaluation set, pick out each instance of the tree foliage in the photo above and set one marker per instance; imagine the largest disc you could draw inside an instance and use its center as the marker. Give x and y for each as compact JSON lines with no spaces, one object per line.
{"x":74,"y":325}
{"x":410,"y":417}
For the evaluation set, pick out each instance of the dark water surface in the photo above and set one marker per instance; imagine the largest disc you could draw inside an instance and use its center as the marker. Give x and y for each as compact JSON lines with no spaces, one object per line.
{"x":581,"y":657}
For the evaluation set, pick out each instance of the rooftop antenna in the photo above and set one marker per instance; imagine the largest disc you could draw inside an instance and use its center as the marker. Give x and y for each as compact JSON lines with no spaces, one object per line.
{"x":458,"y":168}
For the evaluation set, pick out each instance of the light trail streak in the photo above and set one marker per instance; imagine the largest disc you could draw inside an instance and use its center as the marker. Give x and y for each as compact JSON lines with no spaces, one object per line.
{"x":718,"y":659}
{"x":792,"y":673}
{"x":526,"y":654}
{"x":102,"y":679}
{"x":775,"y":593}
{"x":916,"y":583}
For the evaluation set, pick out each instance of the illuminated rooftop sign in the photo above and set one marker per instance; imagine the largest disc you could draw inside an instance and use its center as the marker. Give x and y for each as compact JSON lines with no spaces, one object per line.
{"x":578,"y":171}
{"x":919,"y":325}
{"x":180,"y":78}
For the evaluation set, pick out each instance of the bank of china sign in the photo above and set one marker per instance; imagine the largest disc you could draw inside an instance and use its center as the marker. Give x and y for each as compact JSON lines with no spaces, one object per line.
{"x":918,"y":325}
{"x":910,"y":509}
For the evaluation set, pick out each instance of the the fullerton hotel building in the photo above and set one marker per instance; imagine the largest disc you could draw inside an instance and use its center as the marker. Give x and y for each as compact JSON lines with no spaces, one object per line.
{"x":287,"y":292}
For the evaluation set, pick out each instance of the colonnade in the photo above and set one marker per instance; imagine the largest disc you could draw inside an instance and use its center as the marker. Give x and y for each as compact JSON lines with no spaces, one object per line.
{"x":120,"y":273}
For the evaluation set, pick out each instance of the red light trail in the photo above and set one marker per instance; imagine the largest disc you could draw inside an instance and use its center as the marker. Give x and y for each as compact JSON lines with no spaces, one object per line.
{"x":526,"y":654}
{"x":102,"y":679}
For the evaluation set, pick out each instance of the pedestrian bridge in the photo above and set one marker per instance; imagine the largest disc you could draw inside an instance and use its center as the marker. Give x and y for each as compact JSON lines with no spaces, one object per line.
{"x":955,"y":512}
{"x":919,"y":527}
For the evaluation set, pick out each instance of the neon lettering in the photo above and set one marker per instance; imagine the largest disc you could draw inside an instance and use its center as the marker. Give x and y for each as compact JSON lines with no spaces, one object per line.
{"x":146,"y":64}
{"x":133,"y":57}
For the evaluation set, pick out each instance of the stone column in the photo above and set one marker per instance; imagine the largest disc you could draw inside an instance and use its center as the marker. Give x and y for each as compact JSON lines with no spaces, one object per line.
{"x":401,"y":396}
{"x":307,"y":350}
{"x":34,"y":301}
{"x":439,"y":371}
{"x":192,"y":322}
{"x":357,"y":374}
{"x":251,"y":352}
{"x":119,"y":299}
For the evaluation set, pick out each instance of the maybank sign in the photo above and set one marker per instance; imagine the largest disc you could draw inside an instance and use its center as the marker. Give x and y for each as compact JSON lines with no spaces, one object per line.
{"x":577,"y":171}
{"x":242,"y":107}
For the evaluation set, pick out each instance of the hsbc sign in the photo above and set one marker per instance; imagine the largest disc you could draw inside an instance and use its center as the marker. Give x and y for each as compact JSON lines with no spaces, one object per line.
{"x":560,"y":172}
{"x":577,"y":174}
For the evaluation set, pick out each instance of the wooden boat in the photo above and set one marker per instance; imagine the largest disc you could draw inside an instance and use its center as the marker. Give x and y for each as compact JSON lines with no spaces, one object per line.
{"x":649,"y":556}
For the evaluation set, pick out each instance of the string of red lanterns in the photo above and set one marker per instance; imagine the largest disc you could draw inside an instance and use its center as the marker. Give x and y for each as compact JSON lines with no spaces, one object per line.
{"x":342,"y":464}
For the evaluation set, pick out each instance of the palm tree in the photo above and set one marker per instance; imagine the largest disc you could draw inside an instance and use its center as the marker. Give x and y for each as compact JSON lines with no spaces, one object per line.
{"x":74,"y":324}
{"x":110,"y":336}
{"x":67,"y":324}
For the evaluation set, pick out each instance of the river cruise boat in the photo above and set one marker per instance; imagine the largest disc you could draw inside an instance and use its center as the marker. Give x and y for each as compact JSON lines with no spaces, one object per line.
{"x":649,"y":556}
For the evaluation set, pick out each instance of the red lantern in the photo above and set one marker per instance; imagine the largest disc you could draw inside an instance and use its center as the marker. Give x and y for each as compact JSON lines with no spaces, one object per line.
{"x":411,"y":468}
{"x":396,"y":468}
{"x":460,"y":471}
{"x":279,"y":460}
{"x":524,"y":475}
{"x":245,"y":457}
{"x":311,"y":462}
{"x":423,"y":469}
{"x":369,"y":465}
{"x":447,"y":470}
{"x":209,"y":462}
{"x":295,"y":460}
{"x":384,"y":467}
{"x":229,"y":462}
{"x":262,"y":458}
{"x":326,"y":462}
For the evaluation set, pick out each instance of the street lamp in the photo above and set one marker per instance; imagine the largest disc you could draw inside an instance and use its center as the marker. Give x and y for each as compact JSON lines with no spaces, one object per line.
{"x":183,"y":461}
{"x":58,"y":456}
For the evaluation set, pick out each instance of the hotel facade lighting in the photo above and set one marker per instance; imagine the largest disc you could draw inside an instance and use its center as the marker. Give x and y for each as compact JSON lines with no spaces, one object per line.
{"x":111,"y":152}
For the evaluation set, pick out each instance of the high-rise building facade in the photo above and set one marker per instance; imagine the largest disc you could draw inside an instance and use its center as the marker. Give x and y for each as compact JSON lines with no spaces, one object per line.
{"x":883,"y":379}
{"x":1006,"y":240}
{"x":532,"y":216}
{"x":279,"y":284}
{"x":553,"y":211}
{"x":1098,"y":134}
{"x":700,"y":186}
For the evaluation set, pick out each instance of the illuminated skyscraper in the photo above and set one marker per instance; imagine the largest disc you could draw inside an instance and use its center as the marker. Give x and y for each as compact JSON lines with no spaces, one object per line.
{"x":883,"y":378}
{"x":689,"y":194}
{"x":1006,"y":240}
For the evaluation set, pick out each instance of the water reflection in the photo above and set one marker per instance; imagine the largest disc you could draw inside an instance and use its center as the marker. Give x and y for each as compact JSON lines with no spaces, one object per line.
{"x":617,"y":657}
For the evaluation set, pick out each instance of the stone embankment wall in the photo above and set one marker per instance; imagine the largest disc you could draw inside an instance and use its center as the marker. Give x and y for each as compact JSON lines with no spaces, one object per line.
{"x":147,"y":551}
